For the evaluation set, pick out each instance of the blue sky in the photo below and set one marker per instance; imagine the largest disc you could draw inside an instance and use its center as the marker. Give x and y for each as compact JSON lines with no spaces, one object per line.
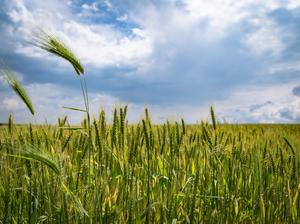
{"x":176,"y":57}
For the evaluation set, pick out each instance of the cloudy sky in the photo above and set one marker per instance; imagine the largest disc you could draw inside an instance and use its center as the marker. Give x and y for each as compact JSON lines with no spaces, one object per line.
{"x":176,"y":57}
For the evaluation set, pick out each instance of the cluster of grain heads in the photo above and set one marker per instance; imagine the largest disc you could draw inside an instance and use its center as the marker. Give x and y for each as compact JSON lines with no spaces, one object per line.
{"x":140,"y":173}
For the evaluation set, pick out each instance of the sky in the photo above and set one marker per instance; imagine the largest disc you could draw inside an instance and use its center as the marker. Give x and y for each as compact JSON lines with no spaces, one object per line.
{"x":175,"y":57}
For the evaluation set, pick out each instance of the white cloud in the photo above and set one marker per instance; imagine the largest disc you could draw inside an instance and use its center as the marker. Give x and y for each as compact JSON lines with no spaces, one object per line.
{"x":98,"y":45}
{"x":283,"y":67}
{"x":108,"y":5}
{"x":269,"y":104}
{"x":123,"y":18}
{"x":292,"y":4}
{"x":103,"y":45}
{"x":219,"y":13}
{"x":49,"y":99}
{"x":223,"y":15}
{"x":10,"y":104}
{"x":92,"y":7}
{"x":265,"y":104}
{"x":267,"y":38}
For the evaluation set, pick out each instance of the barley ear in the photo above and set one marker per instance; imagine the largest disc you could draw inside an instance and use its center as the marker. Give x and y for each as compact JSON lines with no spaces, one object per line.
{"x":55,"y":46}
{"x":14,"y":83}
{"x":213,"y":117}
{"x":36,"y":155}
{"x":10,"y":124}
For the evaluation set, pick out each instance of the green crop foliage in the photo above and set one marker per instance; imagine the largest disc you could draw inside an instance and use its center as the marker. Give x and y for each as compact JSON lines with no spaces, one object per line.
{"x":168,"y":173}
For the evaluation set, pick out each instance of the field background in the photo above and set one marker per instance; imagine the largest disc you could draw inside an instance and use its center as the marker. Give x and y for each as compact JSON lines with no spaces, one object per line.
{"x":168,"y":173}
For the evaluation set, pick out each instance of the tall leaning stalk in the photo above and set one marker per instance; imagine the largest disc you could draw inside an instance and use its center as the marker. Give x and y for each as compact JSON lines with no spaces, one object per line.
{"x":55,"y":46}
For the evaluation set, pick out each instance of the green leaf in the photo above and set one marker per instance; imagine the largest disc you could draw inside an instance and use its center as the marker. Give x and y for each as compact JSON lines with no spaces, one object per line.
{"x":72,"y":128}
{"x":76,"y":109}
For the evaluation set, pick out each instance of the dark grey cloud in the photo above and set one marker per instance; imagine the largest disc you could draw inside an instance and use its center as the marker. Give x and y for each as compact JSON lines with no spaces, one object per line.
{"x":288,"y":21}
{"x":259,"y":106}
{"x":290,"y":115}
{"x":296,"y":91}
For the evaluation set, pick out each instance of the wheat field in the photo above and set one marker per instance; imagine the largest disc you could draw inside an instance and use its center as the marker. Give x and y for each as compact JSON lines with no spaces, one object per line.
{"x":146,"y":173}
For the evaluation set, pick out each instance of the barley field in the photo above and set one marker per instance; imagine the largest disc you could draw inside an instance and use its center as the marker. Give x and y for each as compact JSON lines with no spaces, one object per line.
{"x":115,"y":172}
